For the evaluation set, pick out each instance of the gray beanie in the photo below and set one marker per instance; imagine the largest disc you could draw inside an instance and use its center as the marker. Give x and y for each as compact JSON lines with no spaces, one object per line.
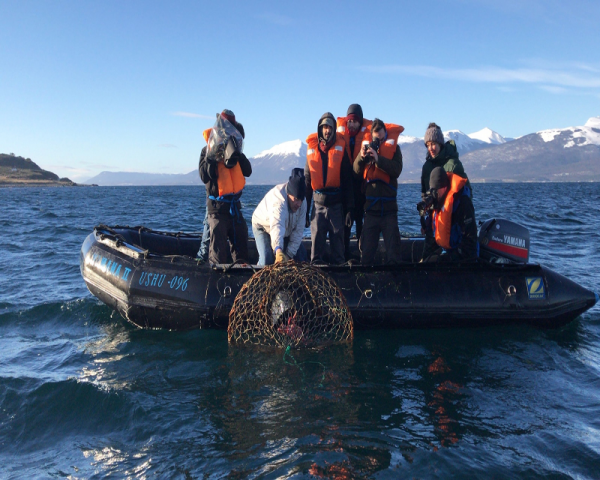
{"x":434,"y":134}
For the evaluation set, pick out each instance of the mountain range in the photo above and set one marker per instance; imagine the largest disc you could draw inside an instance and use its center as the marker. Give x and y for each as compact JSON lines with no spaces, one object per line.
{"x":567,"y":154}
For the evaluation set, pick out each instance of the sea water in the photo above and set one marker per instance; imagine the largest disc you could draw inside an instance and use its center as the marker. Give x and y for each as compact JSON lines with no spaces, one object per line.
{"x":84,"y":394}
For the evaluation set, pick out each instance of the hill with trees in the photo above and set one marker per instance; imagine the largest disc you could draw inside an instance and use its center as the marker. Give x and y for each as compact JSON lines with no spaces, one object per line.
{"x":18,"y":171}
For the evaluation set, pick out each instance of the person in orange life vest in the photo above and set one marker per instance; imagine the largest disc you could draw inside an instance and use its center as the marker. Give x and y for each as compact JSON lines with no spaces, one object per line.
{"x":451,"y":231}
{"x":378,"y":165}
{"x":225,"y":179}
{"x":354,"y":127}
{"x":328,"y":176}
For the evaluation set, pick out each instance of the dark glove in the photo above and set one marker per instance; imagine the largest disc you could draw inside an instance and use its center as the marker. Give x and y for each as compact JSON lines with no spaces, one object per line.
{"x":233,"y":160}
{"x":349,"y":219}
{"x":307,"y":223}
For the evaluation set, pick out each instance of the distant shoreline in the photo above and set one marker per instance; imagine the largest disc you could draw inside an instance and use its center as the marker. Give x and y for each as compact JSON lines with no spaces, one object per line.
{"x":23,"y":184}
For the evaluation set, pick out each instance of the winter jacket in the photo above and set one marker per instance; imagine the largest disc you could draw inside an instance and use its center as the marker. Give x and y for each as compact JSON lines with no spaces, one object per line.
{"x":209,"y":174}
{"x":274,"y":216}
{"x":448,"y":159}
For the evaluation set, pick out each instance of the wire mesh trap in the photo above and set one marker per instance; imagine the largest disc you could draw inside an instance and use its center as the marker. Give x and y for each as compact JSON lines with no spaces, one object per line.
{"x":290,"y":305}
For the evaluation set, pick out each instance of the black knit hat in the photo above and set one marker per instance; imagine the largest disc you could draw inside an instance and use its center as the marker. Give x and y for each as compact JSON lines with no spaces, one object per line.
{"x":438,"y":178}
{"x":296,"y":185}
{"x":434,"y":134}
{"x":355,"y":112}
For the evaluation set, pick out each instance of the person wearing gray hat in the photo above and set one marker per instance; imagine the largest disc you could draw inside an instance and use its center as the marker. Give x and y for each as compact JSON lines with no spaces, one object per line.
{"x":278,"y":222}
{"x":439,"y":154}
{"x":450,"y":230}
{"x":328,"y":176}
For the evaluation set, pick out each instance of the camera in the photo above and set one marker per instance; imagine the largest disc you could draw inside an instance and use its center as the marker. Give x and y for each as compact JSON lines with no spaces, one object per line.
{"x":426,"y":205}
{"x":375,"y":146}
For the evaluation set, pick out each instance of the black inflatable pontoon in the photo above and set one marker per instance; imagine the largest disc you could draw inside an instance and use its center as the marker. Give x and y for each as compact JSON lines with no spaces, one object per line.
{"x":153,"y":280}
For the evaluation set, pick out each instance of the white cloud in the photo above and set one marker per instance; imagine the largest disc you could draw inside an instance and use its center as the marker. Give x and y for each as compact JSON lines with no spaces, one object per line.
{"x":275,"y":19}
{"x":191,"y":115}
{"x":553,"y":89}
{"x":573,"y":77}
{"x":167,"y":145}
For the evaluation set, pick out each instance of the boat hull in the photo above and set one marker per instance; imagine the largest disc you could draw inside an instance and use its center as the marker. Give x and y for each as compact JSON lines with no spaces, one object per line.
{"x":175,"y":292}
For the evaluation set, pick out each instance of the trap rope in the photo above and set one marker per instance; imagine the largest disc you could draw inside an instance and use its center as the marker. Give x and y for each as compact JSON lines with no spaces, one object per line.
{"x":290,"y":305}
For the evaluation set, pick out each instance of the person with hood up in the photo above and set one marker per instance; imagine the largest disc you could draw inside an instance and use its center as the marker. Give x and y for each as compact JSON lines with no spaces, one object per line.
{"x":353,"y":127}
{"x":451,"y":231}
{"x":223,"y":169}
{"x":278,"y":222}
{"x":329,"y":180}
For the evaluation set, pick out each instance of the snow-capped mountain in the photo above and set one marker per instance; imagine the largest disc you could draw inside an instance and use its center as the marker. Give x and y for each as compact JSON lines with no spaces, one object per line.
{"x":464,"y":143}
{"x":486,"y":135}
{"x":589,"y":134}
{"x":294,"y":147}
{"x":562,"y":154}
{"x":274,"y":166}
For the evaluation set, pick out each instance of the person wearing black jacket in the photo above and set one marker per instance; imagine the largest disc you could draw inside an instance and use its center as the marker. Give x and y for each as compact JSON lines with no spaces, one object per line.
{"x":378,"y":167}
{"x":224,"y":181}
{"x":328,"y":176}
{"x":451,"y":230}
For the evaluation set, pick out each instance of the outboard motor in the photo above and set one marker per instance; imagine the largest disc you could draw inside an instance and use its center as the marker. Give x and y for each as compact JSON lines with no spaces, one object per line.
{"x":503,"y":241}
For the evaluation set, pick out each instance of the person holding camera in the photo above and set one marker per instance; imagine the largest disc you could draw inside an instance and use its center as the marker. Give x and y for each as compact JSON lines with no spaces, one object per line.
{"x":379,"y":164}
{"x":353,"y":127}
{"x":278,"y":222}
{"x":328,"y":177}
{"x":223,"y":169}
{"x":451,"y":230}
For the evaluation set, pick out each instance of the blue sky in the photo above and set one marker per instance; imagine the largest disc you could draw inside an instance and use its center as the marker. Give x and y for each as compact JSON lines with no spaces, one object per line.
{"x":130,"y":85}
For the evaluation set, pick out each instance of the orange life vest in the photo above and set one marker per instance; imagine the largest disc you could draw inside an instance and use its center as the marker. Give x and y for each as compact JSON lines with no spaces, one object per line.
{"x":230,"y":180}
{"x":335,"y":156}
{"x":442,"y":219}
{"x":386,"y":149}
{"x":342,"y":129}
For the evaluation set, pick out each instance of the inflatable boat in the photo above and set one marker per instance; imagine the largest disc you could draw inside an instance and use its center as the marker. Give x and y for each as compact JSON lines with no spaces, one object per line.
{"x":153,"y":280}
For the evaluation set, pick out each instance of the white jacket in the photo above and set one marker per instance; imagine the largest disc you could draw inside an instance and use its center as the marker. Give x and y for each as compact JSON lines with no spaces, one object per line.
{"x":274,"y":216}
